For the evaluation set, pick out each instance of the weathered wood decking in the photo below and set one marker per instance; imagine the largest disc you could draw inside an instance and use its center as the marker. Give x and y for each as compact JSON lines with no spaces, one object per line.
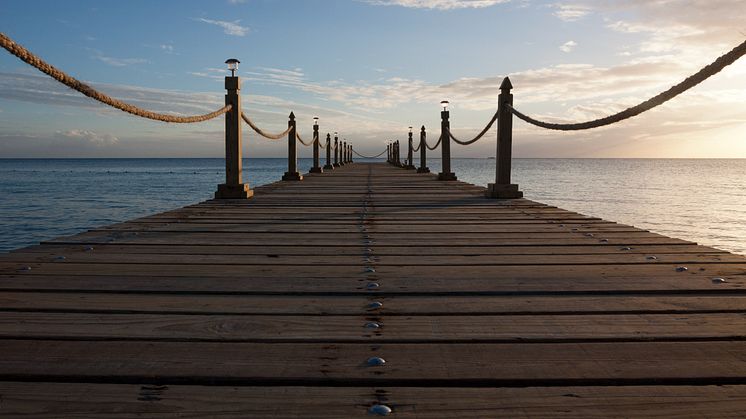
{"x":266,"y":308}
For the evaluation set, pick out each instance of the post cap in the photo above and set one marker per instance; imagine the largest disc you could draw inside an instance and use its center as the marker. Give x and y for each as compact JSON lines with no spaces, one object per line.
{"x":292,"y":115}
{"x":423,"y":128}
{"x":506,"y":85}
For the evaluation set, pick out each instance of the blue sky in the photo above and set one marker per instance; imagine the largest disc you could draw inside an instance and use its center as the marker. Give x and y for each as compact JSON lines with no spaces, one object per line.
{"x":369,"y":69}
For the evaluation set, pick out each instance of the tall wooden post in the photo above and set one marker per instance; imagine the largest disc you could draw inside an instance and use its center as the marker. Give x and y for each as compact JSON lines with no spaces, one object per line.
{"x":502,"y":188}
{"x":410,"y":150}
{"x":423,"y":153}
{"x":388,"y":153}
{"x":328,"y":165}
{"x":342,"y":146}
{"x":351,"y":154}
{"x":292,"y":173}
{"x":316,"y":167}
{"x":336,"y":150}
{"x":233,"y":188}
{"x":398,"y":153}
{"x":445,"y":147}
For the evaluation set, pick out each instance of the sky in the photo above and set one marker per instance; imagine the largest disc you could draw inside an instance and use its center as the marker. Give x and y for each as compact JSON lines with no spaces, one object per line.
{"x":369,"y":69}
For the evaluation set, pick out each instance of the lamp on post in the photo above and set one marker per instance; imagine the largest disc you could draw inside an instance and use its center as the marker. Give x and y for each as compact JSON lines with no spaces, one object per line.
{"x":445,"y":144}
{"x":233,"y":188}
{"x":316,"y":167}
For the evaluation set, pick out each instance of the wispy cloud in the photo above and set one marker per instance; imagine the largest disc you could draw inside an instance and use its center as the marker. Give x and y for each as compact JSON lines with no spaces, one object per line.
{"x":437,"y":4}
{"x":120,"y":62}
{"x":91,"y":137}
{"x":229,"y":28}
{"x":568,"y":46}
{"x":571,"y":12}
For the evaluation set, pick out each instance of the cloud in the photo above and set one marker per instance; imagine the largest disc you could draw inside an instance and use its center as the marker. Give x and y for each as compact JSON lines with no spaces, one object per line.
{"x":120,"y":62}
{"x":229,"y":28}
{"x":571,"y":12}
{"x":568,"y":46}
{"x":437,"y":4}
{"x":90,"y":137}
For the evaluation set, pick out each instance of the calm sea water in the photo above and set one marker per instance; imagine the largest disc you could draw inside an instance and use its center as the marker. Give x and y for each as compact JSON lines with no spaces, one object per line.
{"x":699,"y":200}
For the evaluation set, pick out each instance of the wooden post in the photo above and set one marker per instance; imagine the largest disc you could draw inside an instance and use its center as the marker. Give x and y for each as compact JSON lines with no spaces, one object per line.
{"x":410,"y":150}
{"x":342,"y":146}
{"x":445,"y":147}
{"x":388,"y":153}
{"x":292,"y":173}
{"x":423,"y":153}
{"x":336,"y":150}
{"x":328,"y":165}
{"x":502,"y":188}
{"x":351,"y":154}
{"x":316,"y":167}
{"x":233,"y":188}
{"x":398,"y":153}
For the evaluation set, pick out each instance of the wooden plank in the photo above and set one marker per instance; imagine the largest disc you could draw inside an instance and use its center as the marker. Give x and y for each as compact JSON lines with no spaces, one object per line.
{"x":443,"y":364}
{"x":85,"y":400}
{"x":53,"y":250}
{"x":359,"y":305}
{"x":401,"y":329}
{"x":620,"y":258}
{"x":320,"y":283}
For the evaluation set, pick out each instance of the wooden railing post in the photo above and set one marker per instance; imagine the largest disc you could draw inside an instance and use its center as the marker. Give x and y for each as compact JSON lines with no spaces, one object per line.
{"x":397,"y":162}
{"x":388,"y":153}
{"x":316,"y":166}
{"x":502,"y":188}
{"x":328,"y":165}
{"x":336,"y":150}
{"x":445,"y":146}
{"x":410,"y":164}
{"x":423,"y":152}
{"x":351,"y":154}
{"x":292,"y":173}
{"x":233,"y":188}
{"x":343,"y":146}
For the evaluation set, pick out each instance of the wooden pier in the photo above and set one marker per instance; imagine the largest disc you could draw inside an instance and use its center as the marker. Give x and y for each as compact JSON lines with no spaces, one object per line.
{"x":365,"y":288}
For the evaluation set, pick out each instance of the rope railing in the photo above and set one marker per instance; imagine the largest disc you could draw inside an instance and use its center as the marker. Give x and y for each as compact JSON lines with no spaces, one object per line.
{"x":75,"y":84}
{"x":416,"y":149}
{"x":436,"y":144}
{"x":307,"y":144}
{"x":369,"y":157}
{"x":691,"y":81}
{"x":479,"y":136}
{"x":261,"y":132}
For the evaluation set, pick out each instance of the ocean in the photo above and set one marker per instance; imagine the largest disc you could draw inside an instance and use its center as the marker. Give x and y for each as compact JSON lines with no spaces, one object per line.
{"x":702,"y":200}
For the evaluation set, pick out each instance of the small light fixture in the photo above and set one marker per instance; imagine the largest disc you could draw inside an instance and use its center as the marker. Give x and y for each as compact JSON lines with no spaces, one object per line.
{"x":444,"y":104}
{"x":232,"y":65}
{"x":410,"y":130}
{"x":315,"y":120}
{"x":335,"y":134}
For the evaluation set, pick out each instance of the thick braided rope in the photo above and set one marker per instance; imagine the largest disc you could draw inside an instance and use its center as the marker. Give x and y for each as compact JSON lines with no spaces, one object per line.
{"x":73,"y":83}
{"x":416,"y":149}
{"x":262,"y":133}
{"x":310,"y":143}
{"x":691,"y":81}
{"x":436,"y":144}
{"x":481,"y":134}
{"x":368,"y":157}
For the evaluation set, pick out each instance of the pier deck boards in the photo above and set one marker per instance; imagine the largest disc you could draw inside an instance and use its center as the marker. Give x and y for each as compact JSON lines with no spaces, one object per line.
{"x":490,"y":308}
